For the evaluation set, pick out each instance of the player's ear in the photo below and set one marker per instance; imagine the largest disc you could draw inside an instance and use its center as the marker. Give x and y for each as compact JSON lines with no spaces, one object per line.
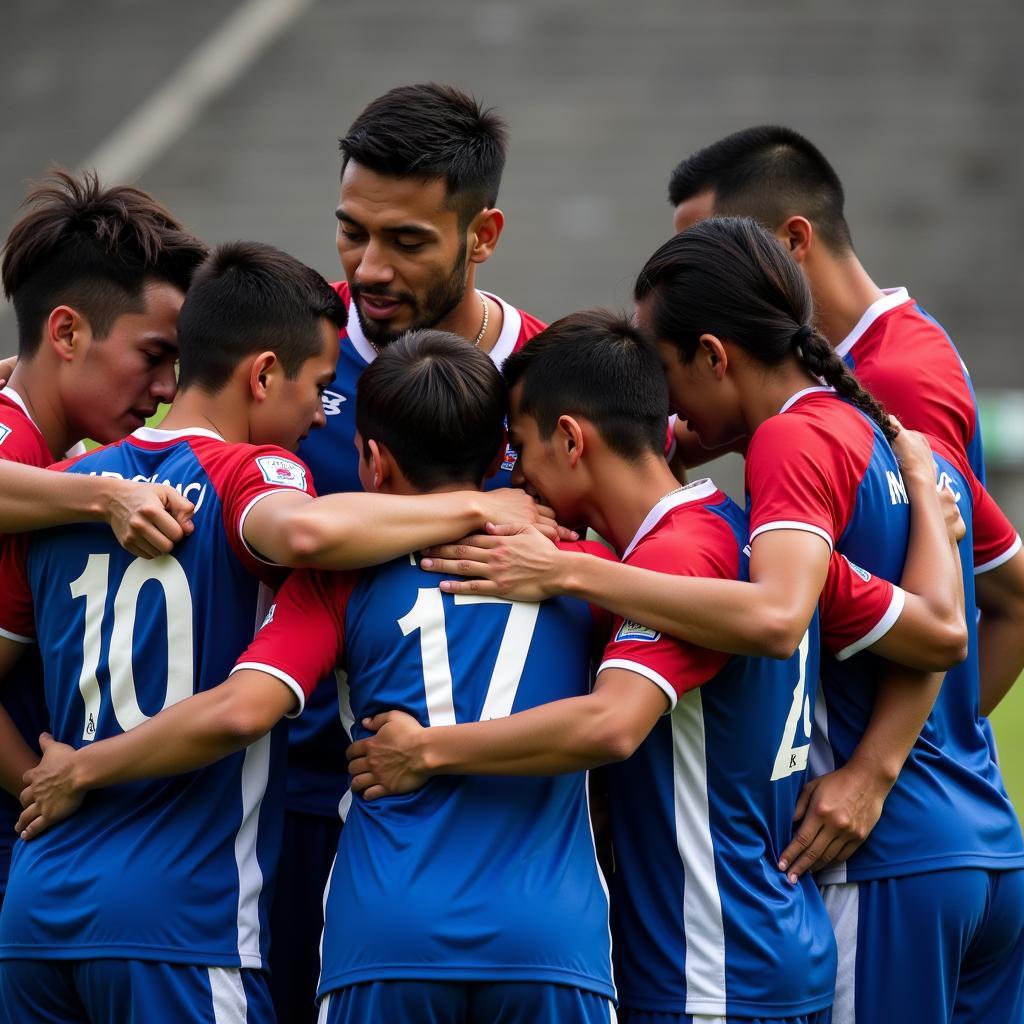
{"x":569,"y":435}
{"x":381,"y":464}
{"x":484,"y":232}
{"x":713,"y":355}
{"x":796,"y":233}
{"x":66,"y":329}
{"x":262,"y":371}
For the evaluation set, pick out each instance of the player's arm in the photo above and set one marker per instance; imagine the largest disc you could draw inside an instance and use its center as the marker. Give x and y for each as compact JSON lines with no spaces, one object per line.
{"x":147,"y":519}
{"x":1000,"y":596}
{"x":837,"y":811}
{"x":353,"y":530}
{"x":568,"y":735}
{"x":16,"y":756}
{"x":209,"y":725}
{"x":930,"y":633}
{"x":182,"y":738}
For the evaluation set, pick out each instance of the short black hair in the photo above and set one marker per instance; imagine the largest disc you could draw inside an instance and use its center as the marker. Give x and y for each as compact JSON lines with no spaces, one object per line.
{"x":432,"y":131}
{"x":438,"y":404}
{"x":769,"y":173}
{"x":596,"y":364}
{"x":249,"y":298}
{"x":92,"y":248}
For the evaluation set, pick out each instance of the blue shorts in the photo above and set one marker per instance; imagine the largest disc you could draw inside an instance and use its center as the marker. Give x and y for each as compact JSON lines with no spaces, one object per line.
{"x":131,"y":992}
{"x":456,"y":1002}
{"x":308,"y":846}
{"x":946,"y":946}
{"x":656,"y":1017}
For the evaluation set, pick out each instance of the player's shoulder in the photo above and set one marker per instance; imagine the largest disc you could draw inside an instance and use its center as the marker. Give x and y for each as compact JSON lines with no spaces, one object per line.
{"x":695,"y":531}
{"x":268,"y":463}
{"x":529,"y":327}
{"x":807,"y":425}
{"x":20,"y":439}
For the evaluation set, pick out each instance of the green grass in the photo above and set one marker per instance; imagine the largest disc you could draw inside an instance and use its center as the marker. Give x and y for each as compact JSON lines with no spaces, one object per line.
{"x":1008,"y":721}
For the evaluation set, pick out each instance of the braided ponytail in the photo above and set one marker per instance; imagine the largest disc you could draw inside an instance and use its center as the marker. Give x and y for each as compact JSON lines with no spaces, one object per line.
{"x":820,"y":360}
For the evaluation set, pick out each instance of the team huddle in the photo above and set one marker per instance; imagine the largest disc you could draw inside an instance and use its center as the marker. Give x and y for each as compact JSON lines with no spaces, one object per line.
{"x":318,"y":704}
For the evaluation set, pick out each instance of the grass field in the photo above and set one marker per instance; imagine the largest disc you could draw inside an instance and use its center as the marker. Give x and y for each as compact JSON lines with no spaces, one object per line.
{"x":1009,"y":725}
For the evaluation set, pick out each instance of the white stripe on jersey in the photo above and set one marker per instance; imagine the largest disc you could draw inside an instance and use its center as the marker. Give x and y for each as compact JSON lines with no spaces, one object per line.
{"x":229,"y":1003}
{"x":821,"y":761}
{"x":323,"y":930}
{"x":702,"y":903}
{"x":842,"y":902}
{"x":254,"y":776}
{"x":325,"y":1009}
{"x":601,"y":879}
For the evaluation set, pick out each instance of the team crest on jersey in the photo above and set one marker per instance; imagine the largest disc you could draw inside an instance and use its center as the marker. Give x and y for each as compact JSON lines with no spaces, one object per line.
{"x":630,"y":630}
{"x":4,"y":432}
{"x":862,"y":573}
{"x":284,"y":472}
{"x":511,"y":457}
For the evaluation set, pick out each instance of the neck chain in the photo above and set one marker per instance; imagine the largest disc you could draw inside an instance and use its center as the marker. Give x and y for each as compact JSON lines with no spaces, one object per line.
{"x":483,"y":326}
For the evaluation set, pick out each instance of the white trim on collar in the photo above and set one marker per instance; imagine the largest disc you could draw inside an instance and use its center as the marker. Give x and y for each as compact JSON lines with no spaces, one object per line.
{"x":157,"y":436}
{"x":793,"y":399}
{"x":696,"y":491}
{"x":512,"y":323}
{"x":10,"y":393}
{"x":891,"y":298}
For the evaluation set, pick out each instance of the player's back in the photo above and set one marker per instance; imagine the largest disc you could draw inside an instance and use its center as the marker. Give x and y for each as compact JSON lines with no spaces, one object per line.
{"x":704,"y":920}
{"x":470,"y":878}
{"x":171,"y":869}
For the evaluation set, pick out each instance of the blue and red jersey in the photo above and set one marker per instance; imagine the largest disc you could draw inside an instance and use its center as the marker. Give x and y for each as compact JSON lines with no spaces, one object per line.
{"x":703,"y":920}
{"x":176,"y":869}
{"x":22,"y":689}
{"x":471,"y":878}
{"x":315,"y":783}
{"x":909,"y":363}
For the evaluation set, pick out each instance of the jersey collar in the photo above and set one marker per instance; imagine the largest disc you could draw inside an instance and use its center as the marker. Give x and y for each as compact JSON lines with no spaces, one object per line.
{"x":154,"y":435}
{"x":697,"y":491}
{"x":512,"y":323}
{"x":891,"y":298}
{"x":793,"y":399}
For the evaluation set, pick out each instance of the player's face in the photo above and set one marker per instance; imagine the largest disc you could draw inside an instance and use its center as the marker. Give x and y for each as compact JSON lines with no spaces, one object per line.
{"x":402,"y":250}
{"x":115,"y":383}
{"x":695,"y":393}
{"x":691,"y":211}
{"x":296,"y":407}
{"x":539,"y":469}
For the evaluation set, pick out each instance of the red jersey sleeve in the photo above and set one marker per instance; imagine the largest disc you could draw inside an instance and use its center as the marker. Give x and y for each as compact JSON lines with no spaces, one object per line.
{"x":302,"y":638}
{"x":995,"y":539}
{"x":857,"y":609}
{"x":694,"y":542}
{"x":603,"y":619}
{"x":243,"y":475}
{"x":793,"y":480}
{"x":17,"y":621}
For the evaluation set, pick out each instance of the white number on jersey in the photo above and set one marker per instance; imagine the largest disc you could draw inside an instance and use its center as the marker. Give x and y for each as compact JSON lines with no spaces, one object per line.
{"x":427,"y":616}
{"x":790,"y":757}
{"x":93,"y":585}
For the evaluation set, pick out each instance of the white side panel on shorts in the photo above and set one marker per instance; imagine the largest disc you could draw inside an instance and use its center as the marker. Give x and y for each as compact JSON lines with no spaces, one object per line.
{"x":228,"y":992}
{"x":842,"y":901}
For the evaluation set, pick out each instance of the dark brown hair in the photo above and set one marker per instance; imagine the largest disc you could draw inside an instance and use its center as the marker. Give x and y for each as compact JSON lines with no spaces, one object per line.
{"x":438,"y":404}
{"x":91,"y":248}
{"x":432,"y":131}
{"x":730,"y":277}
{"x":248,"y":298}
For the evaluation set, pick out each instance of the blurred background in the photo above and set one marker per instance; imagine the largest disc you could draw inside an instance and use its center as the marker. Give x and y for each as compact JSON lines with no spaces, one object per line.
{"x":229,"y":111}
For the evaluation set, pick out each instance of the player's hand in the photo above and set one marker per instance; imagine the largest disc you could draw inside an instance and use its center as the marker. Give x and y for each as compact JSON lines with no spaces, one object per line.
{"x":913,"y":452}
{"x":50,"y":795}
{"x":839,"y":810}
{"x":148,"y":519}
{"x":955,"y":525}
{"x":516,"y":562}
{"x":514,"y":507}
{"x":6,"y":369}
{"x":386,"y":764}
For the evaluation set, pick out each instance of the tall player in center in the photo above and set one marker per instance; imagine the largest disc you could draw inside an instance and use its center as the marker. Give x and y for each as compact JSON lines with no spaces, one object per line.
{"x":417,"y":215}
